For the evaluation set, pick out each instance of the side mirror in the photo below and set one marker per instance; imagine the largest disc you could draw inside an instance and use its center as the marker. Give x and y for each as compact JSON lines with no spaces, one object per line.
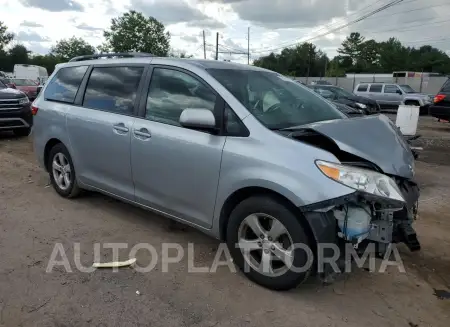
{"x":201,"y":119}
{"x":399,"y":92}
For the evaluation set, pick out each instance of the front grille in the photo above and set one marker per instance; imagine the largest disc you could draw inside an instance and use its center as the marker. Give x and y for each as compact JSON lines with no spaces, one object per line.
{"x":10,"y":104}
{"x":11,"y":123}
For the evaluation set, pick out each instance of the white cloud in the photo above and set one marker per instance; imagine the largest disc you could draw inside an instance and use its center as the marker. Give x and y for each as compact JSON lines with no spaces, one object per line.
{"x":273,"y":24}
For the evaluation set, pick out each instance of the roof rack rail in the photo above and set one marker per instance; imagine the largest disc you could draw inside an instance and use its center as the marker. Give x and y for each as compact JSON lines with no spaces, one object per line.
{"x":109,"y":55}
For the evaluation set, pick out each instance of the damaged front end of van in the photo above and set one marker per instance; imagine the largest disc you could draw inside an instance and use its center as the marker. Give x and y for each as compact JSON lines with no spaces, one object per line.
{"x":379,"y":167}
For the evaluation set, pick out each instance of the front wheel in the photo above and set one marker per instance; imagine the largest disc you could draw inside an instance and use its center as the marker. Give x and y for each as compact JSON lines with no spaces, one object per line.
{"x":269,"y":244}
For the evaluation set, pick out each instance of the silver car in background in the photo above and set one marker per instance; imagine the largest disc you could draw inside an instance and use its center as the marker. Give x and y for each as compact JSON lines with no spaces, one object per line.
{"x":243,"y":154}
{"x":393,"y":95}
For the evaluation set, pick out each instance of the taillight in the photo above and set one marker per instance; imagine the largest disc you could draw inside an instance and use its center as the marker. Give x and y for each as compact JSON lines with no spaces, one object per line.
{"x":34,"y":110}
{"x":439,"y":98}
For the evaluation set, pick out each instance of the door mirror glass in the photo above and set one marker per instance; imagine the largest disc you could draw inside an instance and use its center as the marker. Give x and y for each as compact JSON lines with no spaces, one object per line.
{"x":399,"y":92}
{"x":198,"y":119}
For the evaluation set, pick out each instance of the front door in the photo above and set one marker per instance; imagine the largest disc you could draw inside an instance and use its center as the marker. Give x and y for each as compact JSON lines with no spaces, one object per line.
{"x":175,"y":169}
{"x":100,"y":129}
{"x":392,"y":95}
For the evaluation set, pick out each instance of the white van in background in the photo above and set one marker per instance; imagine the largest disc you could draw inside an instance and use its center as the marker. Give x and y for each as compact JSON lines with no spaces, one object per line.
{"x":35,"y":73}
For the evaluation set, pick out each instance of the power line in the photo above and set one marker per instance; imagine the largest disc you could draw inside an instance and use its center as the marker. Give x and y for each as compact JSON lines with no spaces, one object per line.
{"x":411,"y":10}
{"x":384,"y":7}
{"x":413,"y":27}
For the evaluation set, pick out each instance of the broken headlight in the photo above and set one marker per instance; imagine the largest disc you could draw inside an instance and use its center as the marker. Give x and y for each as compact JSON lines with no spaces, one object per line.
{"x":363,"y":180}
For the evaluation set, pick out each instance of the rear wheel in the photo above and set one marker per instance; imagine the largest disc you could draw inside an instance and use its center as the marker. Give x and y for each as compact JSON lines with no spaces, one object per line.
{"x":22,"y":131}
{"x":267,"y":242}
{"x":62,"y":172}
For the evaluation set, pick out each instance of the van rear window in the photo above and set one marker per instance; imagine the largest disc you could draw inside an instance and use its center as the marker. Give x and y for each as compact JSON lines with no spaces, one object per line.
{"x":446,"y":87}
{"x":64,"y":86}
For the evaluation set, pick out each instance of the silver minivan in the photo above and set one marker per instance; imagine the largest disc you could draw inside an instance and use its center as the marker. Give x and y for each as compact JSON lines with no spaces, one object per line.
{"x":241,"y":153}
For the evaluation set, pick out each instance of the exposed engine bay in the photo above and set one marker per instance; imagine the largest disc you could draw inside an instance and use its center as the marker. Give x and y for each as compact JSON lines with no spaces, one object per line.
{"x":378,"y":216}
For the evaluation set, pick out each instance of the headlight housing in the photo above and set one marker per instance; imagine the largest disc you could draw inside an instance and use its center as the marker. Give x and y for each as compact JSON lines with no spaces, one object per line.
{"x":363,"y":180}
{"x":361,"y":105}
{"x":24,"y":100}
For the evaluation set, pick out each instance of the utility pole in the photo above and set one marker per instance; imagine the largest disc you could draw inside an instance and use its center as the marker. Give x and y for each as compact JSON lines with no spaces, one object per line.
{"x":248,"y":46}
{"x":204,"y":45}
{"x":309,"y":62}
{"x":217,"y":46}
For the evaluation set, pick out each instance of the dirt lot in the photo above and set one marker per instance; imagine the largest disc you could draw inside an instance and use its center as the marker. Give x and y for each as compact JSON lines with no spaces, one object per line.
{"x":33,"y":218}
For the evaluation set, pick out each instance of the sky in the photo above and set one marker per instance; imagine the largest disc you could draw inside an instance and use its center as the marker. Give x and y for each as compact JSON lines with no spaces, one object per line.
{"x":273,"y":24}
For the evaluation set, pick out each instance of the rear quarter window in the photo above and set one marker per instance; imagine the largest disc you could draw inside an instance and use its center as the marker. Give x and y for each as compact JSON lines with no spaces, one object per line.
{"x":376,"y":88}
{"x":362,"y":88}
{"x":64,"y":86}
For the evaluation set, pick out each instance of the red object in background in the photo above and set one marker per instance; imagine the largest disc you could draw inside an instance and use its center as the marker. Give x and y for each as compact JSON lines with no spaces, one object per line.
{"x":11,"y":85}
{"x":34,"y":110}
{"x":439,"y":98}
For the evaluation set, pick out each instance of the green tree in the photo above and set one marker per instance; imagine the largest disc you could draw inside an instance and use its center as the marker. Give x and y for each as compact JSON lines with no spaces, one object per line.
{"x":352,"y":46}
{"x":134,"y":32}
{"x":19,"y":54}
{"x":69,"y":48}
{"x":5,"y":37}
{"x":297,"y":61}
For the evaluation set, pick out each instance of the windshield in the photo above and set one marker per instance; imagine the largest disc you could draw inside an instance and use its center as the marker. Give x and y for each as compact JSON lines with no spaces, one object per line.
{"x":23,"y":82}
{"x":407,"y":89}
{"x":342,"y":92}
{"x":276,"y":101}
{"x":2,"y":85}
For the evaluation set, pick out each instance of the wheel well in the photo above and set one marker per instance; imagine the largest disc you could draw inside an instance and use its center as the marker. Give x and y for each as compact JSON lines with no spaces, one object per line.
{"x":412,"y":101}
{"x":50,"y":144}
{"x":244,"y":193}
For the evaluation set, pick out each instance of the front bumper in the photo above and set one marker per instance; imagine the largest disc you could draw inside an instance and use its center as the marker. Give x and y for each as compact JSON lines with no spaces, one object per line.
{"x":17,"y":118}
{"x":386,"y":226}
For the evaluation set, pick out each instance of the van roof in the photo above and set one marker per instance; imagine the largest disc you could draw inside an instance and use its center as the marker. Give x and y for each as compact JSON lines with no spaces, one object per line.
{"x":201,"y":63}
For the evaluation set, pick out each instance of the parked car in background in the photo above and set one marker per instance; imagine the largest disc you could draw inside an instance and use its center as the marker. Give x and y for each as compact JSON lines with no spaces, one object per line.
{"x":27,"y":86}
{"x":441,"y":103}
{"x":7,"y":81}
{"x":239,"y":152}
{"x":390,"y":96}
{"x":349,"y":111}
{"x":32,"y":72}
{"x":15,"y":111}
{"x":320,"y":82}
{"x":339,"y":95}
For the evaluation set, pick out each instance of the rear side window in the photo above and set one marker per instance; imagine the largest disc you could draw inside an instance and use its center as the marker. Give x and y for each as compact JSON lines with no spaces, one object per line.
{"x":362,"y":88}
{"x":390,"y":89}
{"x":446,"y":86}
{"x":375,"y":88}
{"x":64,"y":86}
{"x":113,"y":89}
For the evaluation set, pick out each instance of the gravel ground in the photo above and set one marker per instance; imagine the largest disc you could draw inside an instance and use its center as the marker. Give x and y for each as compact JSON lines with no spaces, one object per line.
{"x":33,"y":218}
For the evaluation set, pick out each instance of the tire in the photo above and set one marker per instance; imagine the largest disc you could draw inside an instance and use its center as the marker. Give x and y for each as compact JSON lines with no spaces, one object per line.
{"x":21,"y":132}
{"x":274,"y":208}
{"x":71,"y":188}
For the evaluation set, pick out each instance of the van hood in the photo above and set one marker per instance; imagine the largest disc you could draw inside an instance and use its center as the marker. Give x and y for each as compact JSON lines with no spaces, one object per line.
{"x":373,"y":138}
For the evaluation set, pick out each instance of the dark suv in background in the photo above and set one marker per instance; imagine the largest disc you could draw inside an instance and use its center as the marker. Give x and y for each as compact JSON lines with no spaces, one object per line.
{"x":441,"y":103}
{"x":15,"y":111}
{"x":340,"y":96}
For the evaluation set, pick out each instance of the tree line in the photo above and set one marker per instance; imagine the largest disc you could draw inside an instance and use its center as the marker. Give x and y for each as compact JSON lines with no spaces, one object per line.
{"x":130,"y":32}
{"x":357,"y":55}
